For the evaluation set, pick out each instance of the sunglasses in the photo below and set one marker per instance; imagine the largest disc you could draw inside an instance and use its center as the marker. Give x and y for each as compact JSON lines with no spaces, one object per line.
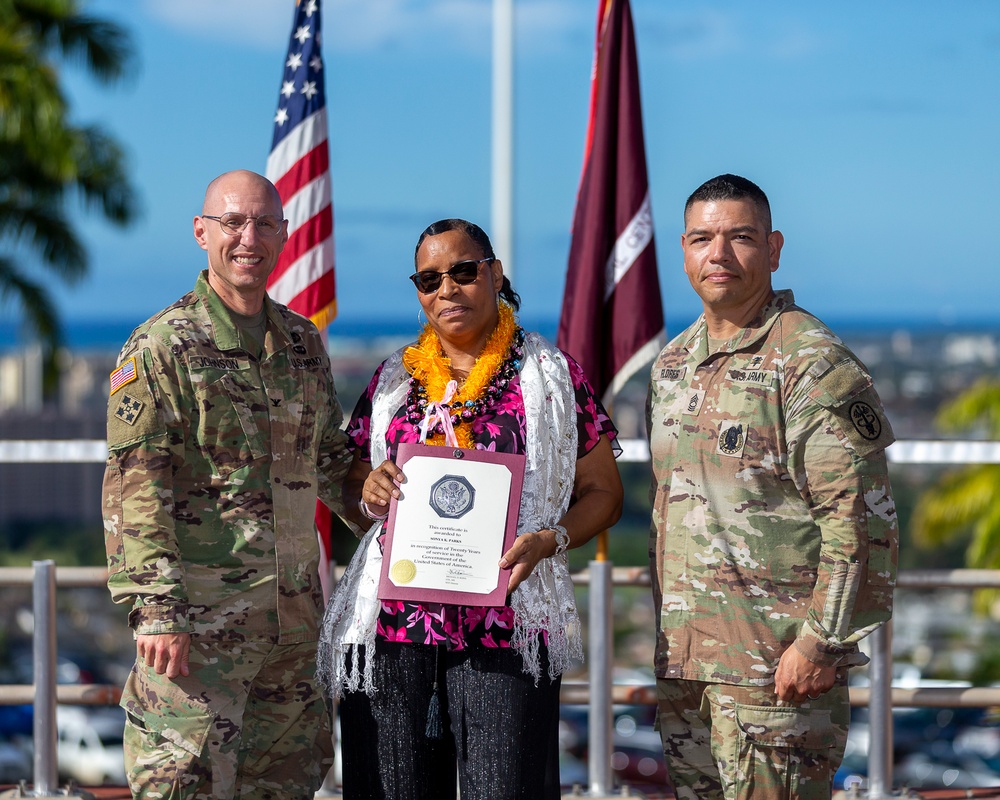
{"x":463,"y":273}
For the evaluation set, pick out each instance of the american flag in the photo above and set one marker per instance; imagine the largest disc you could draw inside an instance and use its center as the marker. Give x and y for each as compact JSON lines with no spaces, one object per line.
{"x":123,"y":375}
{"x":299,"y":165}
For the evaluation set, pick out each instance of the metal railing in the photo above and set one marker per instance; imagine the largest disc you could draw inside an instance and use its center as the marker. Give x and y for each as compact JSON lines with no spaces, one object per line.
{"x":599,"y":691}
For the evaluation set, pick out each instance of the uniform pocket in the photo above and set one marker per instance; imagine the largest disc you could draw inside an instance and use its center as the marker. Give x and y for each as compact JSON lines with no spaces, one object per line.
{"x":785,"y":751}
{"x":167,"y":734}
{"x":227,"y":432}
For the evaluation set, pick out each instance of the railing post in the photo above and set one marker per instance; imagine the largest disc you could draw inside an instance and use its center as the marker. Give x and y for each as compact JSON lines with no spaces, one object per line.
{"x":599,"y":666}
{"x":44,"y":657}
{"x":880,"y":714}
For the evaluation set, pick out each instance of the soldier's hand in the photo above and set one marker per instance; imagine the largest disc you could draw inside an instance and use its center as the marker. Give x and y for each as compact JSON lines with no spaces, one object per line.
{"x":166,"y":653}
{"x":798,"y":680}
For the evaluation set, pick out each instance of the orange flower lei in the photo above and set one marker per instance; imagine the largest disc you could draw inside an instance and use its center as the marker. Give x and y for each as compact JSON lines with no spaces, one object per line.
{"x":427,"y":363}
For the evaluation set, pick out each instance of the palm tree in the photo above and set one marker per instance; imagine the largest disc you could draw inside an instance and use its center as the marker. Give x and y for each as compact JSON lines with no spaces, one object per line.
{"x":967,"y":501}
{"x":45,"y":159}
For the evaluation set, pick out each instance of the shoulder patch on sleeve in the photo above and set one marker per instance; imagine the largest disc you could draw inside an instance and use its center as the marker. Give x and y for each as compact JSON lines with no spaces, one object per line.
{"x":132,"y":412}
{"x":846,"y":390}
{"x":865,"y":424}
{"x":124,"y":375}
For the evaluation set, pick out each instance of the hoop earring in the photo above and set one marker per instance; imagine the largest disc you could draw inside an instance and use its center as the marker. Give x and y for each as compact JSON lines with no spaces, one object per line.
{"x":419,"y":312}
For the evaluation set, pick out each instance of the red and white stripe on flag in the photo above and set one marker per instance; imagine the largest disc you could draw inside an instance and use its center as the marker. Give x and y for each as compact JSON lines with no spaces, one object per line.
{"x":299,"y":165}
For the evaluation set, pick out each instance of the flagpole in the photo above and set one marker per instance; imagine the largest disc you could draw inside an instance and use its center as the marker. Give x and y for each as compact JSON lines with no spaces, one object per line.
{"x":502,"y":183}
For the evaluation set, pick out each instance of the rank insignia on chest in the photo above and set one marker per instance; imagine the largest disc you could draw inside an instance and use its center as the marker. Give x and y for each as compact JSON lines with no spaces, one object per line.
{"x":731,"y":439}
{"x":693,"y":403}
{"x":129,"y":409}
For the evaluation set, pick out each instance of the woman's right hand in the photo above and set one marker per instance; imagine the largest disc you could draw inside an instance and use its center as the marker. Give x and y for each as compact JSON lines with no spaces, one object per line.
{"x":381,"y":485}
{"x":375,"y":487}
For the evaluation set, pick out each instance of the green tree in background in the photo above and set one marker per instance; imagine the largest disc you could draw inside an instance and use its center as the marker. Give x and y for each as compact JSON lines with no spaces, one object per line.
{"x":46,"y":159}
{"x":966,"y":502}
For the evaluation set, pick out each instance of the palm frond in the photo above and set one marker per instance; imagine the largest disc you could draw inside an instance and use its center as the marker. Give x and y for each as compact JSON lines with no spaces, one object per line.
{"x":39,"y":311}
{"x":954,"y":504}
{"x":977,"y":407}
{"x":101,"y":176}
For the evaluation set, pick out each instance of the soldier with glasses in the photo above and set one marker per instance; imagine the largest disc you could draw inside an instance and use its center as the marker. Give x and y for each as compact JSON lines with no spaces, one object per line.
{"x":223,"y":428}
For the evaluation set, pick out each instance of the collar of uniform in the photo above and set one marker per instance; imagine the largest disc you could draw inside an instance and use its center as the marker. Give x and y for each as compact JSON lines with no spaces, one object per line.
{"x":757,"y":328}
{"x":227,"y":335}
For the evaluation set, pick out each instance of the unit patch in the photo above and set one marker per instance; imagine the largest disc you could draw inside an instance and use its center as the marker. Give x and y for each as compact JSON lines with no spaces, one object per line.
{"x":124,"y":375}
{"x":731,"y":439}
{"x":129,"y":409}
{"x":865,"y":420}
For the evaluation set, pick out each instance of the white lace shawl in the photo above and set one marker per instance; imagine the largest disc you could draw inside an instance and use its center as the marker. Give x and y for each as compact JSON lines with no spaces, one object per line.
{"x":543,"y":602}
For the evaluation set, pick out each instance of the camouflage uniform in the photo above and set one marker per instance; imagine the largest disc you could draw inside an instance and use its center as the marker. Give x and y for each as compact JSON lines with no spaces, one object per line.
{"x":772,"y":526}
{"x":215,"y":462}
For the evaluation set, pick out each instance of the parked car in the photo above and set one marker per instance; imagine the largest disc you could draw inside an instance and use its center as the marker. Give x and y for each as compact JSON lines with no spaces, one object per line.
{"x":89,"y":746}
{"x":15,"y":762}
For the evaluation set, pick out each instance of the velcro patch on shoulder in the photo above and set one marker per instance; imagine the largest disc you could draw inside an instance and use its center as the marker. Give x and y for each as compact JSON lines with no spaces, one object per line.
{"x":839,"y":384}
{"x":132,"y":414}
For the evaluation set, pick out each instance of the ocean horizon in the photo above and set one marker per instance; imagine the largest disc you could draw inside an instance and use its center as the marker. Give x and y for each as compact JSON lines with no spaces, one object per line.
{"x":102,"y":334}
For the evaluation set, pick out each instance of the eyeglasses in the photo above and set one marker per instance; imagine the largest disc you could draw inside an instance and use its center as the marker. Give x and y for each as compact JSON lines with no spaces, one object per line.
{"x":235,"y":224}
{"x":463,"y":273}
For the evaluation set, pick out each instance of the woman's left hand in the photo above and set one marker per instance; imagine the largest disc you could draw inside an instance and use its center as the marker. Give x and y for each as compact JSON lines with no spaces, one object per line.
{"x":528,"y":549}
{"x":598,"y":492}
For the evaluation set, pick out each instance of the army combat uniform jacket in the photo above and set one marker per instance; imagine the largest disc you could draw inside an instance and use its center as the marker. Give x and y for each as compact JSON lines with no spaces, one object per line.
{"x":773,"y":524}
{"x":215,"y":461}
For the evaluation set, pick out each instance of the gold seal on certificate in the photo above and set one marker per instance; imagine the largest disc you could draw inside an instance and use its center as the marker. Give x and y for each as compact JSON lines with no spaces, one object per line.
{"x":457,"y":515}
{"x":403,"y":571}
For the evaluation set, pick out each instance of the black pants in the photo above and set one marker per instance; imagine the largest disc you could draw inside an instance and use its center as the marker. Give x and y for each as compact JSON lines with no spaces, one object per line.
{"x":500,"y":731}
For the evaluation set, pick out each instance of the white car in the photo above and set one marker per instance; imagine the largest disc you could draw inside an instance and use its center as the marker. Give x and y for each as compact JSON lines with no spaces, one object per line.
{"x":90,"y":745}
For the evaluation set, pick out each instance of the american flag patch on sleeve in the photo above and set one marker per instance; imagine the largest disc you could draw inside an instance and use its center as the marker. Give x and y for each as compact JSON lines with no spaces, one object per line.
{"x":124,"y":375}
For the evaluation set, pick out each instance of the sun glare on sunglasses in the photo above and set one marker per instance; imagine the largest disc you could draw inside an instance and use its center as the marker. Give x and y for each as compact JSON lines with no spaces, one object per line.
{"x":463,"y":273}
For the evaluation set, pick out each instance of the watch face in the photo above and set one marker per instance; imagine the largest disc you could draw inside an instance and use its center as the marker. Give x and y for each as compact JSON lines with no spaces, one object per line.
{"x":452,"y":496}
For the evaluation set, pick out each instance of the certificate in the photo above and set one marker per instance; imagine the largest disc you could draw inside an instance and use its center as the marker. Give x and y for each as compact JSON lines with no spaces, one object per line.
{"x":457,"y":515}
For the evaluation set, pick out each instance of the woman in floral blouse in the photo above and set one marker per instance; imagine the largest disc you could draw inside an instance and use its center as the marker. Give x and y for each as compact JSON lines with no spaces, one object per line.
{"x":431,"y":687}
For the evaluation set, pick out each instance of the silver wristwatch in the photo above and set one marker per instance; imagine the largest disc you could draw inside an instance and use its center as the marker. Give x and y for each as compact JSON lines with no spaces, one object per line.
{"x":562,"y":539}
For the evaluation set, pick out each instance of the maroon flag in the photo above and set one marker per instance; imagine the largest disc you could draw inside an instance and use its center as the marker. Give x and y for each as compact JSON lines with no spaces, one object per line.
{"x":299,"y":165}
{"x":612,"y":314}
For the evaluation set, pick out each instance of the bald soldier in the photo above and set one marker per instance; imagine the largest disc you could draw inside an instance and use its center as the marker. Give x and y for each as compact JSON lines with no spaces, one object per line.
{"x":223,"y":428}
{"x":773,"y":538}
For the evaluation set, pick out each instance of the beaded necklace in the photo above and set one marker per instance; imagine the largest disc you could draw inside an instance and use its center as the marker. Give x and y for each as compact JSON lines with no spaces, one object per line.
{"x":430,"y":371}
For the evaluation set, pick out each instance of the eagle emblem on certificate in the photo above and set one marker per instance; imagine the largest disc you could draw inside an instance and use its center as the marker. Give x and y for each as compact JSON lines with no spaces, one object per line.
{"x":452,"y":496}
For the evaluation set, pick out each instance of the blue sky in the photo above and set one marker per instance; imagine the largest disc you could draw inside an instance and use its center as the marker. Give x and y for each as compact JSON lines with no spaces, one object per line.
{"x":873,"y":127}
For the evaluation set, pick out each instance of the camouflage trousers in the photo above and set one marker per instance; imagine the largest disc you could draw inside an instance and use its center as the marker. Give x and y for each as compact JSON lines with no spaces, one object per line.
{"x":249,"y":721}
{"x":724,"y":742}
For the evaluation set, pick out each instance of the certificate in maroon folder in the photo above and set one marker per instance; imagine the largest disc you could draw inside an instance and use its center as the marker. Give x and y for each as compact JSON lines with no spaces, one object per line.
{"x":457,"y":516}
